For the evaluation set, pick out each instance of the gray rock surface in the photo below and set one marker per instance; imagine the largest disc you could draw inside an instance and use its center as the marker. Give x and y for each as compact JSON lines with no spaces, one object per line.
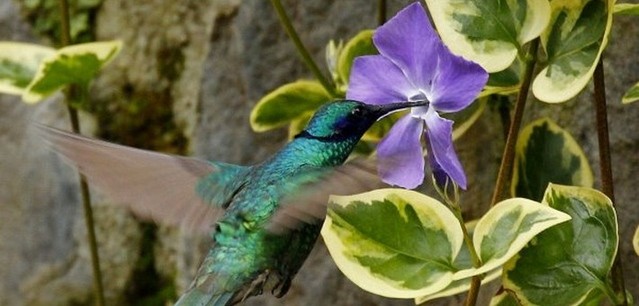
{"x":208,"y":62}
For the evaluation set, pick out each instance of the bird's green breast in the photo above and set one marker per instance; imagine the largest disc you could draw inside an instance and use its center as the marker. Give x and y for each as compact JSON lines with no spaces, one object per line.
{"x":243,"y":247}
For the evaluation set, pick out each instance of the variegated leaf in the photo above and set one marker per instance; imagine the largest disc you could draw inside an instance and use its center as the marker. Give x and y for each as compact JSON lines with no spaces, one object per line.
{"x":632,"y":95}
{"x":393,"y":242}
{"x":288,"y":103}
{"x":18,"y":65}
{"x":626,"y":9}
{"x":507,"y":228}
{"x":489,"y":32}
{"x":76,"y":64}
{"x":568,"y":264}
{"x":547,"y":154}
{"x":574,"y":41}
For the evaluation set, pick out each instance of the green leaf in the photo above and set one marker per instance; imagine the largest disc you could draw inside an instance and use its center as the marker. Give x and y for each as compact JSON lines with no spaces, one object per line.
{"x":632,"y":95}
{"x":458,"y":286}
{"x":594,"y":298}
{"x":298,"y":124}
{"x":360,"y":44}
{"x":403,"y":244}
{"x":547,"y":154}
{"x":574,"y":41}
{"x":287,"y":103}
{"x":626,"y":9}
{"x":393,"y":242}
{"x":635,"y":241}
{"x":331,"y":54}
{"x":508,"y":77}
{"x":486,"y":31}
{"x":506,"y":228}
{"x":77,"y":64}
{"x":565,"y":263}
{"x":504,"y":298}
{"x":18,"y":65}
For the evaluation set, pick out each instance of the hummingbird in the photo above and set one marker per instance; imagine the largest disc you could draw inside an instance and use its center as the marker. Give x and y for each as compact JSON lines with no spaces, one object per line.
{"x":263,"y":219}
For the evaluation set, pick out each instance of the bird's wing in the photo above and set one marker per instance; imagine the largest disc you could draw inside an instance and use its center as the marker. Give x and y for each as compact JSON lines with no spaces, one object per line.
{"x":308,"y":204}
{"x":168,"y":189}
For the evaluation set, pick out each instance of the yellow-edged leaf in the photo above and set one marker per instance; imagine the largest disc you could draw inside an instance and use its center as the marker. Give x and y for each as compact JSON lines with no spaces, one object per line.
{"x":393,"y":242}
{"x":458,"y":286}
{"x":577,"y":35}
{"x":19,"y":63}
{"x":632,"y":95}
{"x":76,"y":64}
{"x":626,"y":9}
{"x":288,"y":103}
{"x":489,"y":32}
{"x":546,"y":153}
{"x":507,"y":228}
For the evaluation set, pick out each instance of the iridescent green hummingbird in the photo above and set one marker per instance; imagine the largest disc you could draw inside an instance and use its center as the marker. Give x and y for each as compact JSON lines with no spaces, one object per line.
{"x":264,"y":219}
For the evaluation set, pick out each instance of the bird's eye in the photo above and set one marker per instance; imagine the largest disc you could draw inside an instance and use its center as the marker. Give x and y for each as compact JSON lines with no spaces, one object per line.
{"x":357,"y":111}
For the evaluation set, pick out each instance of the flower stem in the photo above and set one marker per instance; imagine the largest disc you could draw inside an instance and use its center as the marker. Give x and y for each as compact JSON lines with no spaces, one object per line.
{"x":79,"y":94}
{"x":453,"y":204}
{"x":506,"y":166}
{"x":301,"y":50}
{"x":606,"y":171}
{"x":467,"y":239}
{"x":381,"y":12}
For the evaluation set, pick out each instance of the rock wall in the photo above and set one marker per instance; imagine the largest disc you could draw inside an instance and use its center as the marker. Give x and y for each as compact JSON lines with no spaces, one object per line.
{"x":188,"y":76}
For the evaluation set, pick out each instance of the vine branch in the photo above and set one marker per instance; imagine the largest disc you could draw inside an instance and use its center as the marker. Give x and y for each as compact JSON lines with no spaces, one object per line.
{"x":381,"y":12}
{"x":78,"y":95}
{"x":508,"y":157}
{"x":301,"y":50}
{"x":506,"y":166}
{"x":605,"y":164}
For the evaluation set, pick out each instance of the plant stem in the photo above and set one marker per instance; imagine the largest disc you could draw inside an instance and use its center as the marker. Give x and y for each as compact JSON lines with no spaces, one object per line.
{"x":381,"y":12}
{"x":506,"y":166}
{"x":453,"y":204}
{"x":79,"y":94}
{"x":504,"y":113}
{"x":301,"y":50}
{"x":467,"y":239}
{"x":605,"y":165}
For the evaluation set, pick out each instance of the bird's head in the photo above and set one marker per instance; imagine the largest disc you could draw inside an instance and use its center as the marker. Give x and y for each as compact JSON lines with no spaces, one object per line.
{"x":348,"y":119}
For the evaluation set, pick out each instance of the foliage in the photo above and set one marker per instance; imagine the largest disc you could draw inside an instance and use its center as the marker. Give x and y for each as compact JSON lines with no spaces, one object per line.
{"x":632,"y":95}
{"x":401,"y":243}
{"x":547,"y":154}
{"x":36,"y":72}
{"x":565,"y":264}
{"x":550,"y":244}
{"x":45,"y":16}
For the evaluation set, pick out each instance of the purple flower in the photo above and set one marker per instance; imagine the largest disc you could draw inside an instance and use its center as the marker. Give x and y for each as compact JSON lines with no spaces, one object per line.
{"x":413,"y":65}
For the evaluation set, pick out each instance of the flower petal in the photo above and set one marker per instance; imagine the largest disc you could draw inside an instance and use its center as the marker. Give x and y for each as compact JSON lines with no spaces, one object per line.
{"x":400,"y":156}
{"x":440,"y":137}
{"x":457,"y":82}
{"x":376,"y":80}
{"x":439,"y":175}
{"x":409,"y":40}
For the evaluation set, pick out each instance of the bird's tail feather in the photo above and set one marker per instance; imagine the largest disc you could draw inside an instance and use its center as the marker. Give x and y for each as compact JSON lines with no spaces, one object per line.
{"x":195,"y":297}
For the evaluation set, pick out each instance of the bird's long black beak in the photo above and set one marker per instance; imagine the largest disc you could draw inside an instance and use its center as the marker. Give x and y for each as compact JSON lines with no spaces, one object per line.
{"x":385,"y":109}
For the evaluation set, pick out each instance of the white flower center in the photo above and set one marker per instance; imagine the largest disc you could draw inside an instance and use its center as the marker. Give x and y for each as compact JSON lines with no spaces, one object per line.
{"x":418,"y":112}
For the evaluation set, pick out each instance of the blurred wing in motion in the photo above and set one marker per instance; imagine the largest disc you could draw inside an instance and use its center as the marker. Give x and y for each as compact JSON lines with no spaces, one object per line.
{"x":154,"y":186}
{"x":309,"y":204}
